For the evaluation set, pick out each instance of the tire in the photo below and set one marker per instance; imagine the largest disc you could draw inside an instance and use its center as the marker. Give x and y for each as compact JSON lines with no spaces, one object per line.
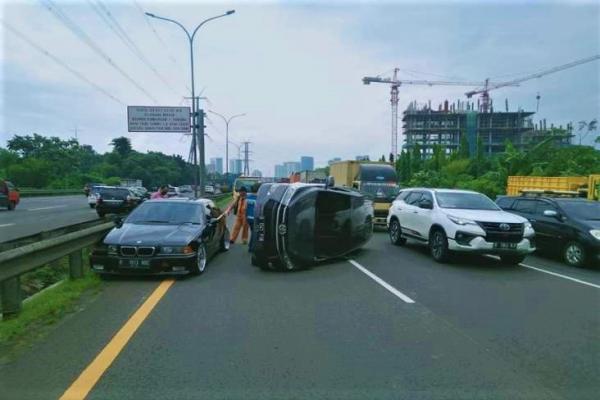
{"x":395,"y":232}
{"x":101,"y":214}
{"x":201,"y":259}
{"x":574,"y":254}
{"x":225,"y":244}
{"x":512,"y":259}
{"x":438,"y":246}
{"x":11,"y":206}
{"x":92,"y":205}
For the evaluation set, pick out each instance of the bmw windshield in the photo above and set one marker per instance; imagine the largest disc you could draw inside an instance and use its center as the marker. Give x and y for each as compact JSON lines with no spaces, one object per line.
{"x":465,"y":201}
{"x":166,"y":212}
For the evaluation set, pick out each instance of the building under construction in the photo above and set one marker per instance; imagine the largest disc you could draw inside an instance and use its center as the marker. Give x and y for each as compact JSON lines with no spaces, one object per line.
{"x":427,"y":127}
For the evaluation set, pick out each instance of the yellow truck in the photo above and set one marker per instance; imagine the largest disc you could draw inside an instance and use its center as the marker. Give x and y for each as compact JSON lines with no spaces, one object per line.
{"x":377,"y":181}
{"x":579,"y":186}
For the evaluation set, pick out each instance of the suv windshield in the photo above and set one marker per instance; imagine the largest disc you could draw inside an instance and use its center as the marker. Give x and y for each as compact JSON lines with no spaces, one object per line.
{"x":379,"y":191}
{"x":588,"y":210}
{"x":466,"y":201}
{"x":164,"y":212}
{"x":250,"y":184}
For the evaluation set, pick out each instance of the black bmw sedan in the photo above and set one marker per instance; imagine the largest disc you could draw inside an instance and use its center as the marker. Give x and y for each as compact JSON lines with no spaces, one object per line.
{"x":175,"y":236}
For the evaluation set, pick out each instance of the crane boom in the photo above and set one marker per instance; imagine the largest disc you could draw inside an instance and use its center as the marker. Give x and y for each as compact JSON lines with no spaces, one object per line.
{"x":376,"y":79}
{"x":491,"y":86}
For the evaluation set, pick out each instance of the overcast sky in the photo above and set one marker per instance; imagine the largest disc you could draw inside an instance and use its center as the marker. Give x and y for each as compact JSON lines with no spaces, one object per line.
{"x":295,"y":68}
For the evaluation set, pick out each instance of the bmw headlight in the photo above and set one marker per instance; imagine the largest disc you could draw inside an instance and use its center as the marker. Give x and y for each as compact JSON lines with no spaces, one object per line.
{"x":595,"y":233}
{"x":176,"y":250}
{"x":461,"y":221}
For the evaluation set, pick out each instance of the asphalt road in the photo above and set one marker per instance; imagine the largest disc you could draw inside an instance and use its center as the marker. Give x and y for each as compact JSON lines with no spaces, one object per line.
{"x":475,"y":330}
{"x":36,"y":214}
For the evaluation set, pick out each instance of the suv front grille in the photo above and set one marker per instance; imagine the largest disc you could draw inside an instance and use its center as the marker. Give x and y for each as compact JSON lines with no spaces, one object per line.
{"x":494,"y":233}
{"x":142,"y":251}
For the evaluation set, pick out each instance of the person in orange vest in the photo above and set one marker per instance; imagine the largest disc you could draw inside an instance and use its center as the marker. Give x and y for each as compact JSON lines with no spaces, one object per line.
{"x":239,"y":207}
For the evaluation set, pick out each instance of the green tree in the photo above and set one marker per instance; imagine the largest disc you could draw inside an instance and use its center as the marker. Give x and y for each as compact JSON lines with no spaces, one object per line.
{"x":122,"y":146}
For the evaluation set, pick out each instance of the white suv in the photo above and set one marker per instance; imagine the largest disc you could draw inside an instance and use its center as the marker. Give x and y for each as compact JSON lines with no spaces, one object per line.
{"x":459,"y":220}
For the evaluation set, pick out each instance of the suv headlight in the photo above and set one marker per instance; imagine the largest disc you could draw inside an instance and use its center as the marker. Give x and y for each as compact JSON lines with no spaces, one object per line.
{"x":461,"y":221}
{"x":595,"y":233}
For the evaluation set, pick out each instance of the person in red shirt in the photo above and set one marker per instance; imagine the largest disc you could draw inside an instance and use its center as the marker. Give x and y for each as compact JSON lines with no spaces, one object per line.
{"x":161,"y":193}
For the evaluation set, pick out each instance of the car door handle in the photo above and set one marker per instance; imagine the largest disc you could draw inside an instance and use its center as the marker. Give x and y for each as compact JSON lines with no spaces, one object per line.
{"x":532,"y":220}
{"x":415,"y":212}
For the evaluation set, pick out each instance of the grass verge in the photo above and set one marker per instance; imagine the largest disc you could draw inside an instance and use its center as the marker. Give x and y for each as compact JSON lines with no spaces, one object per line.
{"x":43,"y":310}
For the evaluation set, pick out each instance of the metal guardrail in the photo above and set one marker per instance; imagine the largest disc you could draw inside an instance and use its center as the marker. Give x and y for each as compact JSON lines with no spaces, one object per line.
{"x":15,"y":262}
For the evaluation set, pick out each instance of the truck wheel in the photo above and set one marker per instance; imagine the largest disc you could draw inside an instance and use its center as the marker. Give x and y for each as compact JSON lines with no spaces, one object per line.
{"x":101,"y":214}
{"x":512,"y":259}
{"x":395,"y":232}
{"x":92,"y":205}
{"x":438,"y":246}
{"x":260,"y":262}
{"x":11,"y":205}
{"x":574,"y":254}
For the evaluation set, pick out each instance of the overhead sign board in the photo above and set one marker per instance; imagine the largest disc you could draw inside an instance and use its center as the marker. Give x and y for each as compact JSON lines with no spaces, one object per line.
{"x":158,"y":119}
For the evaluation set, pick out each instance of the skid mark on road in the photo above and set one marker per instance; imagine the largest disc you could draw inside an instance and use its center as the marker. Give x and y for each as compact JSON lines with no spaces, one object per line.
{"x":383,"y":283}
{"x":92,"y":374}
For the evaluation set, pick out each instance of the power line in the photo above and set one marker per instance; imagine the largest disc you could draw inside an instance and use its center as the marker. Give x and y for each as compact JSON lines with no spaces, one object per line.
{"x":80,"y":33}
{"x":61,"y":63}
{"x":171,"y":57}
{"x":107,"y":17}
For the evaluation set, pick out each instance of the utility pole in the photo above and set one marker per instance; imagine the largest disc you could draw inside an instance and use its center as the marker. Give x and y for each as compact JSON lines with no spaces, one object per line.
{"x":246,"y":158}
{"x":200,"y":168}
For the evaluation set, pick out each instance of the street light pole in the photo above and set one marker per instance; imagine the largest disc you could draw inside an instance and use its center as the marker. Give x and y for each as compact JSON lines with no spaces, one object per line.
{"x":199,"y":176}
{"x":227,"y":121}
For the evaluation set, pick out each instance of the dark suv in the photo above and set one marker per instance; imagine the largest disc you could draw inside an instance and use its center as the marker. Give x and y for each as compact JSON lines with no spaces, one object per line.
{"x":115,"y":200}
{"x":568,"y":226}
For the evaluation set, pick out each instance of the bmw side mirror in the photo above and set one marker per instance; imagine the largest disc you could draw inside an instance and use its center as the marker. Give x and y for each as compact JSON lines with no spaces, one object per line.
{"x":118,"y":221}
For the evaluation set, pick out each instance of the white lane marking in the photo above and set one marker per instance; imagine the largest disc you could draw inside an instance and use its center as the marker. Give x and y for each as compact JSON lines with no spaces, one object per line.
{"x":383,"y":283}
{"x":4,"y":225}
{"x":561,"y":276}
{"x":553,"y":273}
{"x":45,"y":208}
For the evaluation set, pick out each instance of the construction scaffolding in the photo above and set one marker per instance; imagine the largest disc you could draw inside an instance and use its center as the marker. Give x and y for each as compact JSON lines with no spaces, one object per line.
{"x":445,"y":127}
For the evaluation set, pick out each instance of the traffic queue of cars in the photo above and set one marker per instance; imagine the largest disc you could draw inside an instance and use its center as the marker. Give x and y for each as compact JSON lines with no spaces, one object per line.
{"x":297,"y":225}
{"x":463,"y":221}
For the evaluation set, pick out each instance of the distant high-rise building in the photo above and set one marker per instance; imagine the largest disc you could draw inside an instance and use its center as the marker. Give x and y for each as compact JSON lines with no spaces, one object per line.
{"x":291,"y":167}
{"x":307,"y":163}
{"x":210,"y":168}
{"x":280,"y":171}
{"x":217,"y":164}
{"x":257,"y":173}
{"x":235,"y":166}
{"x":333,"y":160}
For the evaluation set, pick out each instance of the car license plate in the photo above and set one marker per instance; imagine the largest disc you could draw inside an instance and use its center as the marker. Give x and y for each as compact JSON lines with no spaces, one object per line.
{"x":503,"y":245}
{"x":134,"y":263}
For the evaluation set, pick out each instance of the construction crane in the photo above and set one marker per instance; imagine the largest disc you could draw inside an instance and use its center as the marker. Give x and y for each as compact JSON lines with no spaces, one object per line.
{"x":395,"y":83}
{"x":484,"y":92}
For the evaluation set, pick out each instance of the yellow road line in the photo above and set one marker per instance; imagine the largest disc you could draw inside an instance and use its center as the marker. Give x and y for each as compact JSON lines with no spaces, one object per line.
{"x":92,"y":374}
